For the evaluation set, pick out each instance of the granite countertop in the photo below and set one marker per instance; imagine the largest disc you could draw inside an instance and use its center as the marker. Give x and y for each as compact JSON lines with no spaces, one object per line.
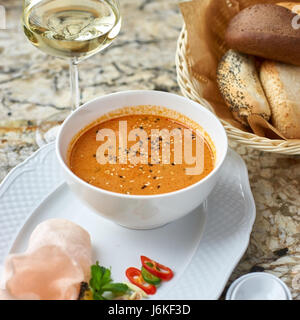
{"x":34,"y":90}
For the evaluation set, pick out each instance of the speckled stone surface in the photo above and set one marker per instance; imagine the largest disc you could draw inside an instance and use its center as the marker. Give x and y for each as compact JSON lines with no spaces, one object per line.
{"x":34,"y":90}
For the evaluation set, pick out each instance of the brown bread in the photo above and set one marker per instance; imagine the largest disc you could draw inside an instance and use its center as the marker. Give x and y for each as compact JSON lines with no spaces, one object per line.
{"x":265,"y":30}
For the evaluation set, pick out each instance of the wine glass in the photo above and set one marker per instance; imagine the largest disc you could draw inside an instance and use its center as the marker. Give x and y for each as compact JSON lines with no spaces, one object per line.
{"x":71,"y":29}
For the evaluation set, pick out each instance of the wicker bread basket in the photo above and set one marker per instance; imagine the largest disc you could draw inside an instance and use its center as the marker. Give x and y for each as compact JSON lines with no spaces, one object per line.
{"x":191,"y":89}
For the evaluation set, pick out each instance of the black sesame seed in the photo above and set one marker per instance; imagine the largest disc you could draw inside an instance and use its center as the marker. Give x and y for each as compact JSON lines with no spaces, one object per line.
{"x":144,"y":187}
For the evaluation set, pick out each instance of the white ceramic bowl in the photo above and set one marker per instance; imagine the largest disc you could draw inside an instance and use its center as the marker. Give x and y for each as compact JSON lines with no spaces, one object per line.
{"x":142,"y":212}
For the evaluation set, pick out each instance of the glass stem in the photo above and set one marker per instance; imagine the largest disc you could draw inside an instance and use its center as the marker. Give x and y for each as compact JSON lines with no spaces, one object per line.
{"x":75,"y":95}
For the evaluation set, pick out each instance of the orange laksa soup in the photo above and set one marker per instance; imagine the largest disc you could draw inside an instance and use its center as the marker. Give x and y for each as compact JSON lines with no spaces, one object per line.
{"x":144,"y":150}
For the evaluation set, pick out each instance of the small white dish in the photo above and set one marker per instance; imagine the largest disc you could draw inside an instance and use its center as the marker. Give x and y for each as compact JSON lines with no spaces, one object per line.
{"x":150,"y":211}
{"x":258,"y":286}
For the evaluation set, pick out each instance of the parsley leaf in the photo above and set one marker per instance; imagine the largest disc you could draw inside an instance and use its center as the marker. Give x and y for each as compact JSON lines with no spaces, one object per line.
{"x":115,"y":287}
{"x":101,"y":283}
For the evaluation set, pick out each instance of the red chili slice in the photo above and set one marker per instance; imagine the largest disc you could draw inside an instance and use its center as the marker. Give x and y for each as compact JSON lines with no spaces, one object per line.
{"x":157,"y":269}
{"x":134,"y":275}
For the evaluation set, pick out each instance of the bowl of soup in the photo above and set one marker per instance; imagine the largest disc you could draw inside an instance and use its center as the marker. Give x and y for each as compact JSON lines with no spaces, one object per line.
{"x":142,"y":159}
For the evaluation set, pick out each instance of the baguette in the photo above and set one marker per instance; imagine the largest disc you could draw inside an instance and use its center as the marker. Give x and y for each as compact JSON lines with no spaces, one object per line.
{"x":281,"y":83}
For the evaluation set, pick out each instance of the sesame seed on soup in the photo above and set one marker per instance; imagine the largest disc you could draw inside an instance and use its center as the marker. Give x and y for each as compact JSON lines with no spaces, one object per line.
{"x":149,"y":178}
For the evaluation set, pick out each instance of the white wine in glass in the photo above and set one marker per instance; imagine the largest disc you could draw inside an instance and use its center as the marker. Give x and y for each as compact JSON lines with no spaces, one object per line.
{"x":71,"y":29}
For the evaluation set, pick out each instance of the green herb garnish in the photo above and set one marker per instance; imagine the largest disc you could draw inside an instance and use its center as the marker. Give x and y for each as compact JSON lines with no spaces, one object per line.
{"x":101,"y":283}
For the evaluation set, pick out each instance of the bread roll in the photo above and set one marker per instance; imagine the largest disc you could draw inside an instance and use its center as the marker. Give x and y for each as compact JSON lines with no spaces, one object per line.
{"x":265,"y":30}
{"x":240,"y":86}
{"x":281,"y":83}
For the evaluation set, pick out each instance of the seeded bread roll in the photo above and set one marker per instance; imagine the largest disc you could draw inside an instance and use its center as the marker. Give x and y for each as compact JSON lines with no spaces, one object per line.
{"x":240,"y":86}
{"x":265,"y":30}
{"x":281,"y":83}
